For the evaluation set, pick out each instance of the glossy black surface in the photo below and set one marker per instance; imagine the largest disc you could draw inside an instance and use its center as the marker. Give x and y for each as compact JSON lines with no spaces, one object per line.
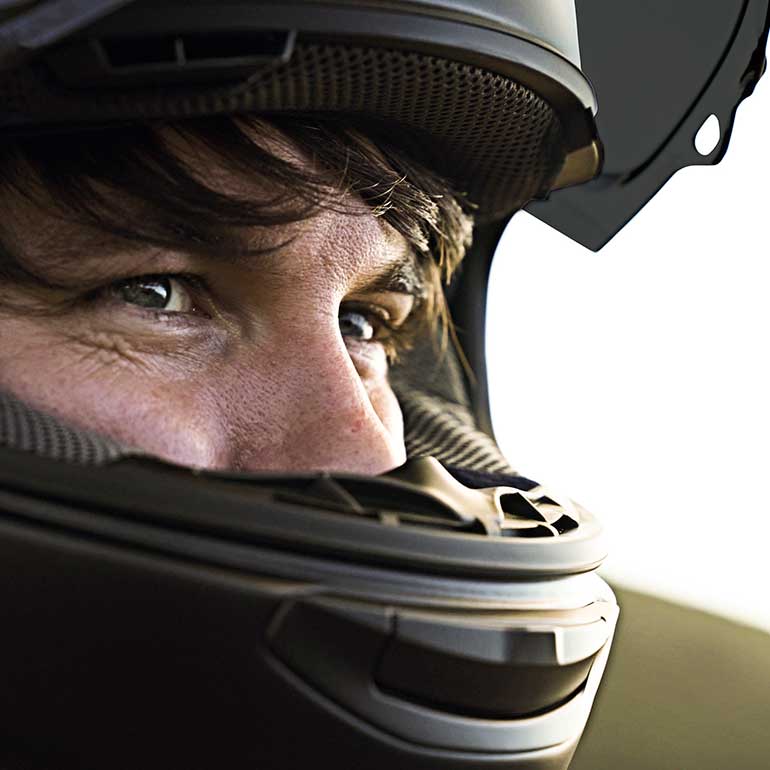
{"x":660,"y":69}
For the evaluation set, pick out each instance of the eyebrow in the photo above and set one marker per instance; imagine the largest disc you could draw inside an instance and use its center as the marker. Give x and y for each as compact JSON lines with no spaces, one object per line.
{"x":90,"y":263}
{"x":402,"y":275}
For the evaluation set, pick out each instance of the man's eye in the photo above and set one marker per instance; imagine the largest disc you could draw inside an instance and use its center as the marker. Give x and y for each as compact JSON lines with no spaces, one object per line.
{"x":155,"y":293}
{"x":357,"y":325}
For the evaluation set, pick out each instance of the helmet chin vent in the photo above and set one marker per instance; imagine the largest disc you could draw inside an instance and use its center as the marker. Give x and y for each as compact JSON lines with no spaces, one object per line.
{"x":131,"y":61}
{"x":128,"y":53}
{"x":422,"y":493}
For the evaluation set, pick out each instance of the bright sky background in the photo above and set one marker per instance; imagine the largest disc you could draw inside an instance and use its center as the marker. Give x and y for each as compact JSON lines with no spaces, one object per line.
{"x":645,"y":391}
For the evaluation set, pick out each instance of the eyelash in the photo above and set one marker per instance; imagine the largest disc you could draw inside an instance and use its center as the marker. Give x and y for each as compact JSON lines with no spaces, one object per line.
{"x":396,"y":339}
{"x":196,"y":285}
{"x":375,"y":315}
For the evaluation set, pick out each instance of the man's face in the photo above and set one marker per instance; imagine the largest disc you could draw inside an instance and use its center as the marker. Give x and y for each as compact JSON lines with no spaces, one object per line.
{"x":271,"y":362}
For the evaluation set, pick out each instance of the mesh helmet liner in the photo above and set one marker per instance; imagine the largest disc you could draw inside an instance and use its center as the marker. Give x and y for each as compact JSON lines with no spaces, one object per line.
{"x":30,"y":430}
{"x":504,"y":116}
{"x":504,"y":141}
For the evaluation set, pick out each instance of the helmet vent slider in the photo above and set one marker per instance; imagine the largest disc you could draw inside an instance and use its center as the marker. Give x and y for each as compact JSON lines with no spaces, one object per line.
{"x":131,"y":60}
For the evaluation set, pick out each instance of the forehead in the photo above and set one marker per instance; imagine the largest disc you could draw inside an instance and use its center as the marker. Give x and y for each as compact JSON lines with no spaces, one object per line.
{"x":342,"y":238}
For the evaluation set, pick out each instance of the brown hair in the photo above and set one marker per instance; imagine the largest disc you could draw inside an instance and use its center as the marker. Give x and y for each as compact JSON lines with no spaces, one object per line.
{"x":174,"y":204}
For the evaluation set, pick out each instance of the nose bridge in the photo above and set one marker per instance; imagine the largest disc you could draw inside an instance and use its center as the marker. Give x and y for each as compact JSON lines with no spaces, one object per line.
{"x":317,"y":415}
{"x":335,"y":389}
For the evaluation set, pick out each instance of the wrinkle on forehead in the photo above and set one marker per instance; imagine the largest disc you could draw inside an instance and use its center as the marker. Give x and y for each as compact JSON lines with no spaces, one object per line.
{"x":341,"y":239}
{"x":342,"y":245}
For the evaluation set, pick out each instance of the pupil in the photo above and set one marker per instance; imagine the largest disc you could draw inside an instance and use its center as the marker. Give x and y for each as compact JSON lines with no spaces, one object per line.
{"x":355,"y":325}
{"x":151,"y":293}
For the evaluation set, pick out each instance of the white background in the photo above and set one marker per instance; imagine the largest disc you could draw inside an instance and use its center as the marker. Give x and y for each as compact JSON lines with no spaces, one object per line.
{"x":637,"y":380}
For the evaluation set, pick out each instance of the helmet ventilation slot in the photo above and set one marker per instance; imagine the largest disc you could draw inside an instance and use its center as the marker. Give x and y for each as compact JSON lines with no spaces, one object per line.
{"x":131,"y":60}
{"x":224,"y":48}
{"x":421,"y":493}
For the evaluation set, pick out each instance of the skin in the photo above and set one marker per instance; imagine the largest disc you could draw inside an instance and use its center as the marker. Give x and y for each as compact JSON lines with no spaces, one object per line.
{"x":248,"y":367}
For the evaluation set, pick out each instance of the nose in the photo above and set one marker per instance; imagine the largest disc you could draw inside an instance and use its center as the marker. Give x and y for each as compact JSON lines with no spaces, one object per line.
{"x":312,"y":409}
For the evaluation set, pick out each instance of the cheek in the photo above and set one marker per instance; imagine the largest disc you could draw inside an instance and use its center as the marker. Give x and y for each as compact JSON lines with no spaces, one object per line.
{"x":370,"y":360}
{"x":285,"y":403}
{"x":388,"y":410}
{"x":371,"y":363}
{"x":104,"y":383}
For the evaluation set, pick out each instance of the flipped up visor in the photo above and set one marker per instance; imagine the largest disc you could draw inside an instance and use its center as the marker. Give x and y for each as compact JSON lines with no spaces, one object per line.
{"x":660,"y":70}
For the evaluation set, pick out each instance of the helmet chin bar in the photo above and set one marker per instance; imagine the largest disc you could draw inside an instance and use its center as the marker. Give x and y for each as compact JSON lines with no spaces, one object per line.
{"x":159,"y":617}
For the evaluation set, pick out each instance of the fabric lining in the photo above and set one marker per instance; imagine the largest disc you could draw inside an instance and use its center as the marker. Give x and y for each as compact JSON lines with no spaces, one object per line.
{"x":30,"y":430}
{"x":433,"y":426}
{"x":495,"y":139}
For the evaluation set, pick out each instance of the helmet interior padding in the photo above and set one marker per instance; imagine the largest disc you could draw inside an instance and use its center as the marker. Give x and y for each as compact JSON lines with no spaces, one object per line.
{"x":495,"y":139}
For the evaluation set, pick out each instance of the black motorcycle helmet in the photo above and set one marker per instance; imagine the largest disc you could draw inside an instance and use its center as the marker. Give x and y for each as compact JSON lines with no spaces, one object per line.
{"x":444,"y":615}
